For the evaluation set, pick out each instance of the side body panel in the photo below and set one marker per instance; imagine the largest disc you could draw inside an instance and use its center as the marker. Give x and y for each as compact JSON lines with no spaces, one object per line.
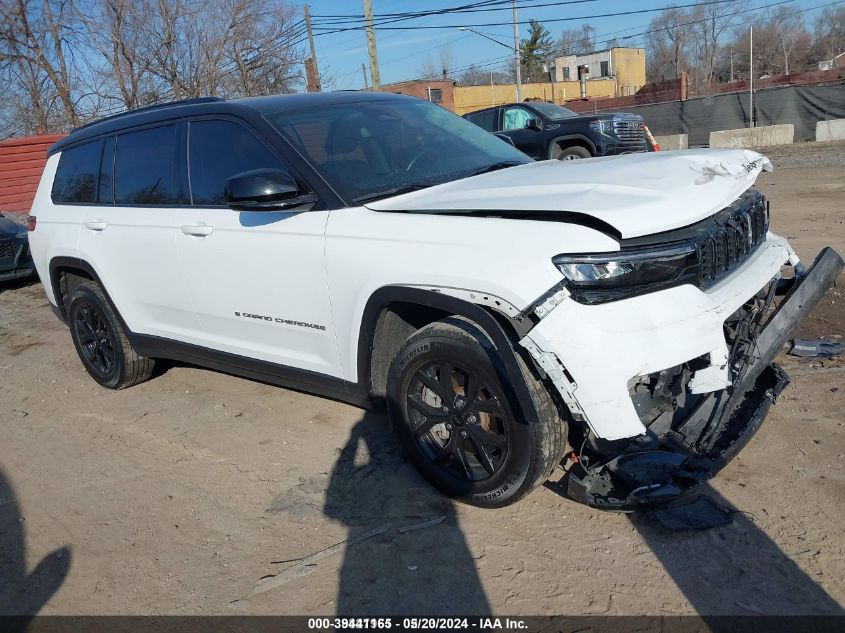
{"x":57,"y":230}
{"x":134,"y":256}
{"x":477,"y":258}
{"x":258,"y":284}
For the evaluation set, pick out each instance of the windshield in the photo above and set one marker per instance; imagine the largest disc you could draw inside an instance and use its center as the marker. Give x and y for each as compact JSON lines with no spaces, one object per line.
{"x":553,"y":111}
{"x":366,"y":148}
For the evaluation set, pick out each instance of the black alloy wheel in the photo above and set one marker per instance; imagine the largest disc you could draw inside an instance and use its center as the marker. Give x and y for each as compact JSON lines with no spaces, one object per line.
{"x":100,"y":340}
{"x":458,"y":419}
{"x":96,"y":341}
{"x":458,"y":424}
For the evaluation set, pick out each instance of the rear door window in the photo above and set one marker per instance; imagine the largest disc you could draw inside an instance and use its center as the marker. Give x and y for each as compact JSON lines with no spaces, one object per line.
{"x":218,"y":150}
{"x":144,"y":167}
{"x":76,"y":175}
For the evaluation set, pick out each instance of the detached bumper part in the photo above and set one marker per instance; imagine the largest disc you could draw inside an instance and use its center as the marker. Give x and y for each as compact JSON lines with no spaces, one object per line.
{"x":720,"y":425}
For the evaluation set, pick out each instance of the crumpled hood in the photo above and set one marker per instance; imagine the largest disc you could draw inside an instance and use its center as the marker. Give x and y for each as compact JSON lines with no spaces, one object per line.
{"x":637,"y":194}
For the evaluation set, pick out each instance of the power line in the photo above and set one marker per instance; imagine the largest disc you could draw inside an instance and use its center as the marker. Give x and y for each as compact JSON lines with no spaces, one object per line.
{"x":493,"y":61}
{"x":476,"y":8}
{"x":725,"y":15}
{"x":526,"y":22}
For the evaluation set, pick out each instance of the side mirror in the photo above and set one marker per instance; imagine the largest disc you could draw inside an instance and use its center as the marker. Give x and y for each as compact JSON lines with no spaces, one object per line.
{"x":533,"y":124}
{"x":265,"y":190}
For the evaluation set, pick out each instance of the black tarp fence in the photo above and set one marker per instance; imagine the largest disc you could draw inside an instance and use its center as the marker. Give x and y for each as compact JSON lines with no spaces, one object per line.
{"x":803,"y":106}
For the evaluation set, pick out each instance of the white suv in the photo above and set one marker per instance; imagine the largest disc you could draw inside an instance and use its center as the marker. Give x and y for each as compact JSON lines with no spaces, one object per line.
{"x":616,"y":316}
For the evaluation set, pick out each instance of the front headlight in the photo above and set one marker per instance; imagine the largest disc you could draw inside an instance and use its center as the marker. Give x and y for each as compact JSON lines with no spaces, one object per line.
{"x":602,"y":126}
{"x":601,"y":277}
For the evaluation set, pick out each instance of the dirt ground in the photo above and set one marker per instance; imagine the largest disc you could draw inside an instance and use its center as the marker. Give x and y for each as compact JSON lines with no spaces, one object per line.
{"x":178,"y":495}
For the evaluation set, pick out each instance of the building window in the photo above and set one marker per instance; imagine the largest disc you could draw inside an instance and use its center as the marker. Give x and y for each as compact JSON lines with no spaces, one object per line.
{"x":435,"y":95}
{"x":566,"y":73}
{"x":605,"y":69}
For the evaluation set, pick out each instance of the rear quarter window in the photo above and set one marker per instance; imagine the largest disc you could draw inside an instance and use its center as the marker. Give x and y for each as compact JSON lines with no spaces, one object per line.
{"x":76,"y":175}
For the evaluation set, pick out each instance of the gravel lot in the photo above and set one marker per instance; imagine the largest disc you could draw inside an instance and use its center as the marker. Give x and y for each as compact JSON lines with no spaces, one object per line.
{"x":178,"y":495}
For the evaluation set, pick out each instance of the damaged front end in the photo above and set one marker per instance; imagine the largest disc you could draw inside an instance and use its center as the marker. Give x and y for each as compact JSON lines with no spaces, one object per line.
{"x":691,"y":436}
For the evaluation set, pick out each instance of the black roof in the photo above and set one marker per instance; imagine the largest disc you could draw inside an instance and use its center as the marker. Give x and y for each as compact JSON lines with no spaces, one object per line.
{"x":245,"y":107}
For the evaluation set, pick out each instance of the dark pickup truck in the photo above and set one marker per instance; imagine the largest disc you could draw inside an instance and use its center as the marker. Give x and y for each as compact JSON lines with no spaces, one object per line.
{"x":546,"y":130}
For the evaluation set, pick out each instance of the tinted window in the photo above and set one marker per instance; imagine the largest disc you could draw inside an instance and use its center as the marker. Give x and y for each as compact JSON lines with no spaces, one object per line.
{"x":436,"y":95}
{"x":219,"y":150}
{"x":143,"y":167}
{"x":485,"y":119}
{"x":105,"y":194}
{"x":553,"y":111}
{"x":369,"y":148}
{"x":76,"y":176}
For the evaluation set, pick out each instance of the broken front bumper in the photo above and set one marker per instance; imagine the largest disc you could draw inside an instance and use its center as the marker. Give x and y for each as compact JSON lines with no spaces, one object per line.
{"x":720,"y":425}
{"x":600,"y":349}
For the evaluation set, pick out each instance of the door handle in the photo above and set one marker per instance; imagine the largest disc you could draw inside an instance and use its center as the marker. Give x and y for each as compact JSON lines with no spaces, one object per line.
{"x":96,"y":225}
{"x":198,"y":230}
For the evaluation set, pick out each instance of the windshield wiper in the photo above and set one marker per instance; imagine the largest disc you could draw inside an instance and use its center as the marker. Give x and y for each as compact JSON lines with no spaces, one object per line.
{"x":494,"y":167}
{"x":395,"y":191}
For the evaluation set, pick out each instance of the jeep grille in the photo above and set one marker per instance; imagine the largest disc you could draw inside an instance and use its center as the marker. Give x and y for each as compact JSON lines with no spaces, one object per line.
{"x":731,"y":242}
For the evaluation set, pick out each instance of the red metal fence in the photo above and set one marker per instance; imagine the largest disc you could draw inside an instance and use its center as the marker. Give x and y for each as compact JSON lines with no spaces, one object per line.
{"x":21,"y":163}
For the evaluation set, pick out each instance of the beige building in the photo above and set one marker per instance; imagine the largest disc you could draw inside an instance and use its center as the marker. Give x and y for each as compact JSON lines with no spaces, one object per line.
{"x":472,"y":98}
{"x":612,"y":73}
{"x":624,"y":66}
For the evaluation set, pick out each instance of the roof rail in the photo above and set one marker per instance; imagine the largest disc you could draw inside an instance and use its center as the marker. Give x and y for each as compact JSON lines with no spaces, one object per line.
{"x":148,"y":108}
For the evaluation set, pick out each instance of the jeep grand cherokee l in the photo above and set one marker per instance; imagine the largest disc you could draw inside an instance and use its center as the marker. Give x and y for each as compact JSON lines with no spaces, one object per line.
{"x":547,"y":130}
{"x":616,"y":316}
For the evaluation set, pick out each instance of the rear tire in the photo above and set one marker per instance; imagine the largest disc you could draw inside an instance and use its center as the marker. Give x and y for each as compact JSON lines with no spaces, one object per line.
{"x":574,"y":152}
{"x":449,"y":409}
{"x":101,"y":341}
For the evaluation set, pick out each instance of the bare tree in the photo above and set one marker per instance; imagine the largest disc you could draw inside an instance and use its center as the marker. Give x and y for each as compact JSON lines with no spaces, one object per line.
{"x":260,"y":55}
{"x":829,"y":33}
{"x":781,"y":43}
{"x":35,"y":44}
{"x":668,"y":45}
{"x":474,"y":76}
{"x":578,"y":41}
{"x":708,"y":26}
{"x":795,"y":41}
{"x":437,"y":65}
{"x":116,"y":29}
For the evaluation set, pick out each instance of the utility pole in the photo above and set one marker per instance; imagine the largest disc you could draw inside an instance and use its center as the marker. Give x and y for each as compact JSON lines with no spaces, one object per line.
{"x":516,"y":54}
{"x":751,"y":78}
{"x":371,"y":45}
{"x":314,"y":83}
{"x":364,"y":72}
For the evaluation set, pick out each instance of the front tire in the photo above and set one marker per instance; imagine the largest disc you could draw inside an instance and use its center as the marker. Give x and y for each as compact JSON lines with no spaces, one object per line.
{"x":451,"y":414}
{"x":573,"y":152}
{"x":101,"y":342}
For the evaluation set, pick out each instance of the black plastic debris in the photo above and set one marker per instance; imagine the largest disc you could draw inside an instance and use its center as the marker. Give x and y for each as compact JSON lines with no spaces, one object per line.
{"x":815,"y":348}
{"x":702,"y":513}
